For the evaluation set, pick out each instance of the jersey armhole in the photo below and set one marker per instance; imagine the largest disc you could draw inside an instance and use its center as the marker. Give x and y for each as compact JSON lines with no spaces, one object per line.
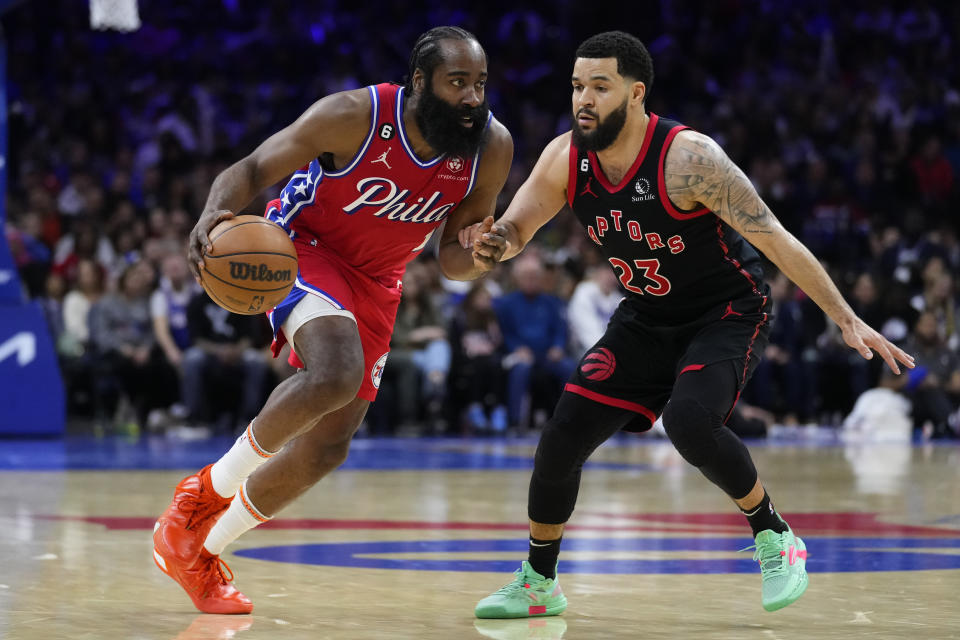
{"x":668,"y":205}
{"x":374,"y":118}
{"x":475,"y":168}
{"x":572,"y":178}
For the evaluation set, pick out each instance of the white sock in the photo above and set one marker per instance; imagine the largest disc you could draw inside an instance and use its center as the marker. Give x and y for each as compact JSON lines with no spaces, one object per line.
{"x":236,"y":465}
{"x":240,"y":517}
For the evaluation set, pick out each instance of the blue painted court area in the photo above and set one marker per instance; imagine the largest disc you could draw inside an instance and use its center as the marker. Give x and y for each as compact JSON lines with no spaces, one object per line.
{"x":120,"y":453}
{"x":825,"y":555}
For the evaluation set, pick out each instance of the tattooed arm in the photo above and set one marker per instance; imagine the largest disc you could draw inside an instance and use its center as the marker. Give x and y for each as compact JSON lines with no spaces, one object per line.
{"x":698,"y":173}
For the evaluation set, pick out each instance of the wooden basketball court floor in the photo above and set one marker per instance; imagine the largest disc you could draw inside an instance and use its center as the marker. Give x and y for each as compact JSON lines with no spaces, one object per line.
{"x":404,"y":540}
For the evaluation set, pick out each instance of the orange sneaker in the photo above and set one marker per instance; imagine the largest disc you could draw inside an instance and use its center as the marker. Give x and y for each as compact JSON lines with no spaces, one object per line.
{"x":179,"y":534}
{"x":207,"y":583}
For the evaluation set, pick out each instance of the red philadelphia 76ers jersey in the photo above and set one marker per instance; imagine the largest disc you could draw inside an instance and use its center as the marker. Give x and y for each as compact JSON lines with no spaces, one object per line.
{"x":379,"y":211}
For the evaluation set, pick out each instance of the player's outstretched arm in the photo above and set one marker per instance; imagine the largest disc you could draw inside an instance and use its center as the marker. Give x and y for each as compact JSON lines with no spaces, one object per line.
{"x":538,"y":200}
{"x":698,"y":172}
{"x":457,"y":261}
{"x":335,"y":124}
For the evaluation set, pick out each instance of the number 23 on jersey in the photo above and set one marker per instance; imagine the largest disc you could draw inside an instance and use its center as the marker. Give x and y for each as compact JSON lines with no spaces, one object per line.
{"x":648,"y":270}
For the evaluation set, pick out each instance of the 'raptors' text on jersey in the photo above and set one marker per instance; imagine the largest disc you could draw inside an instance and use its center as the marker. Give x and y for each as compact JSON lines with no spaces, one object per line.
{"x":378,"y":212}
{"x":673,"y":264}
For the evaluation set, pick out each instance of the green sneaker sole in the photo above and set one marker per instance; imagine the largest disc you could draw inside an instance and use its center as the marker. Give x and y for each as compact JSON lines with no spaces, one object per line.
{"x":790,"y":599}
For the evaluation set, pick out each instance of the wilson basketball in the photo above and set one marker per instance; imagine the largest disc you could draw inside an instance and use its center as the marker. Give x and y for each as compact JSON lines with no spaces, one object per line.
{"x":251,"y":267}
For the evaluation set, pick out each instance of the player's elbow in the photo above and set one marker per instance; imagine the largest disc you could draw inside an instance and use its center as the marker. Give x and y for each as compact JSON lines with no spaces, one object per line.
{"x":777,"y":247}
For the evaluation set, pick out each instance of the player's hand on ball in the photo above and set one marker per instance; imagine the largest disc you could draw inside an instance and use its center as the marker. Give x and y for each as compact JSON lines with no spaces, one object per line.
{"x":200,"y":241}
{"x":487,"y":241}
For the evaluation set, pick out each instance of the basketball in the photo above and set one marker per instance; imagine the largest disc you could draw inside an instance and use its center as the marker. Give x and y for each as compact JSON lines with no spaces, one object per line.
{"x":251,"y":267}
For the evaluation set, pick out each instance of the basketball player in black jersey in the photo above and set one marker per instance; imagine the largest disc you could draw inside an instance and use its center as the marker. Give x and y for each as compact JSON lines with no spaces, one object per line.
{"x":676,"y":220}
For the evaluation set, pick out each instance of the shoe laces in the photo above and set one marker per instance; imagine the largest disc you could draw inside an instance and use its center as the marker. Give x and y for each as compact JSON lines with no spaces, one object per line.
{"x":520,"y":584}
{"x":216,"y":570}
{"x":198,"y":508}
{"x":770,"y":556}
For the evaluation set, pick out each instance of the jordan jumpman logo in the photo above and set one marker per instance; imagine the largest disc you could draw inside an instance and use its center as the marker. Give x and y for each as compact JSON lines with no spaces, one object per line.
{"x":730,"y":311}
{"x":587,"y":189}
{"x":383,"y":158}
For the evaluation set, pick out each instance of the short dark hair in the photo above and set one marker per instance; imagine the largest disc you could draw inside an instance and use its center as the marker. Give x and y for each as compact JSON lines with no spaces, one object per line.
{"x":426,"y":53}
{"x":633,"y":59}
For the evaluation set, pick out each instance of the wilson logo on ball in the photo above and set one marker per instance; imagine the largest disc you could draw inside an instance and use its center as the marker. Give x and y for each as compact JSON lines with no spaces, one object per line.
{"x":599,"y":364}
{"x":254,"y":272}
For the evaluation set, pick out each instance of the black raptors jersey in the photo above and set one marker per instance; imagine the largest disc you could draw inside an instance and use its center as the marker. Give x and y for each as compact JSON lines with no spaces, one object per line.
{"x":675,"y":265}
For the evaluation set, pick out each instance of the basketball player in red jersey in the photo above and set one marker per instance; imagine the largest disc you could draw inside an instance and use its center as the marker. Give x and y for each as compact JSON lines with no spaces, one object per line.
{"x":376,"y":172}
{"x":673,"y":216}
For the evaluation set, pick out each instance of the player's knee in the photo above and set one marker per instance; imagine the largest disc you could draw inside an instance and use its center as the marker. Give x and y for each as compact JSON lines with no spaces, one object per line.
{"x":331,"y":349}
{"x":331,"y":388}
{"x":330,"y":456}
{"x":690,"y":426}
{"x":559,"y":456}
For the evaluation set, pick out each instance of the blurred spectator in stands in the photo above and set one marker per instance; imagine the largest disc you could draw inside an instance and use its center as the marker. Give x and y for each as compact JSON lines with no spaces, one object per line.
{"x":78,"y":196}
{"x":535,"y":335}
{"x":592,"y":304}
{"x":782,"y":383}
{"x":477,"y":378}
{"x":52,"y":304}
{"x":168,"y":311}
{"x":415,"y":378}
{"x":168,"y":308}
{"x":840,"y":379}
{"x":76,"y":357}
{"x":85,"y":241}
{"x":224,"y":372}
{"x":42,"y":202}
{"x":77,"y":304}
{"x":30,"y":255}
{"x":883,"y":413}
{"x":935,"y":379}
{"x":865,"y":300}
{"x":939,"y":298}
{"x":128,"y":362}
{"x":933,"y":173}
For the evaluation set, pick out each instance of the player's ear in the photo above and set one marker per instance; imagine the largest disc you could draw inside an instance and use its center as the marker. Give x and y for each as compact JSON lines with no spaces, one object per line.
{"x":418,"y":80}
{"x":638,"y":91}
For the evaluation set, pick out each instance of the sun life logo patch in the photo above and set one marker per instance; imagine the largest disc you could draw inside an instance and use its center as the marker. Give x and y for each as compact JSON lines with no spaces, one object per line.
{"x":642,"y":187}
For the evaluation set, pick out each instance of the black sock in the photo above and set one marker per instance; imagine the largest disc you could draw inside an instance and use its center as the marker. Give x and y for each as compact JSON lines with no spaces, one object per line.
{"x":543,"y":556}
{"x":764,"y":516}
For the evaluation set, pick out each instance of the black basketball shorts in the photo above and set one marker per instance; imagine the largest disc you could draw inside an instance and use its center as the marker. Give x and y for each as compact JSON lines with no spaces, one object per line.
{"x":635,"y":364}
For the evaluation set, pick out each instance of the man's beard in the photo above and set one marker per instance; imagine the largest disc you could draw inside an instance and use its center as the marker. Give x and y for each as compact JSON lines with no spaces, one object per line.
{"x":442,"y":128}
{"x":604,"y":134}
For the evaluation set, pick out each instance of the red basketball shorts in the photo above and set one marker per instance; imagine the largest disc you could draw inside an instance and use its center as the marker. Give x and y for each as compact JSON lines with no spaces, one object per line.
{"x":327,"y":286}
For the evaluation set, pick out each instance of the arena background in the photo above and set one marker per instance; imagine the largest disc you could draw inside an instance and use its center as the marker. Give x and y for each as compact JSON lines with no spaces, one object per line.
{"x":846,"y":116}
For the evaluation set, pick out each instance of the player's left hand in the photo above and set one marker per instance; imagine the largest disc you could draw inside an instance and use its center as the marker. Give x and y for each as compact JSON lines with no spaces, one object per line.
{"x":865,"y":340}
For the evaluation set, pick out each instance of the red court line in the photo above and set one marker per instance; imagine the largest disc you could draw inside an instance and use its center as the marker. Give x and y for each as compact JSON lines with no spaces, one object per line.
{"x":844,"y":523}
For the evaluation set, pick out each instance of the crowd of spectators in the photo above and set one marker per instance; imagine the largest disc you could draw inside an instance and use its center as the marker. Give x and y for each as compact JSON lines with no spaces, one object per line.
{"x":846,"y":116}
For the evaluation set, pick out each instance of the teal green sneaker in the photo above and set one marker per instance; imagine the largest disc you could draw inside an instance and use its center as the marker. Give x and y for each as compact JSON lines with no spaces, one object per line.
{"x":783,"y":567}
{"x":529,"y":595}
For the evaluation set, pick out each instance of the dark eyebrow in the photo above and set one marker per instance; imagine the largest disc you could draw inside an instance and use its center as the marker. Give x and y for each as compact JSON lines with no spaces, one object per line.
{"x":593,"y":77}
{"x":464,"y":73}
